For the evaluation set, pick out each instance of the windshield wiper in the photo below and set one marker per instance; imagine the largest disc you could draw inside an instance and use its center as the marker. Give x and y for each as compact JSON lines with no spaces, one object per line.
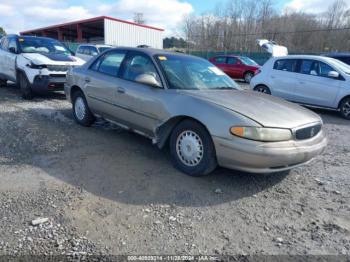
{"x":225,"y":88}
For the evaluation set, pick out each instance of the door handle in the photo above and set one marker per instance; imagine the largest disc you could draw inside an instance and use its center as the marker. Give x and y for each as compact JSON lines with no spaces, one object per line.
{"x":120,"y":90}
{"x":301,"y":82}
{"x":87,"y":80}
{"x":273,"y":77}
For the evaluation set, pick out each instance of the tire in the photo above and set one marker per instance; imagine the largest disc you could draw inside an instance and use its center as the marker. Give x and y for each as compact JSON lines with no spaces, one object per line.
{"x":248,"y":77}
{"x":3,"y":82}
{"x":81,"y":111}
{"x":263,"y":89}
{"x":188,"y":136}
{"x":24,"y":85}
{"x":345,"y":108}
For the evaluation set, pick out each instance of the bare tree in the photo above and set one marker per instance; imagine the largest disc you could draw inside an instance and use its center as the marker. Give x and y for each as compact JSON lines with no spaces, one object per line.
{"x":236,"y":25}
{"x":138,"y":18}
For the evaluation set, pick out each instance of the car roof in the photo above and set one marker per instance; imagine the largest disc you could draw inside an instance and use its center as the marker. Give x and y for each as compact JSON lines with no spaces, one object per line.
{"x":153,"y":51}
{"x":95,"y":45}
{"x":29,"y":36}
{"x":302,"y":57}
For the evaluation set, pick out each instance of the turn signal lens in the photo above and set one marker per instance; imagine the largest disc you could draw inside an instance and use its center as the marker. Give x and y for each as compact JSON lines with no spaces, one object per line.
{"x":262,"y":134}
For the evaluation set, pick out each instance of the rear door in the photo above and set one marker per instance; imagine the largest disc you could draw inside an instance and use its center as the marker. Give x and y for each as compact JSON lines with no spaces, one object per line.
{"x":283,"y":78}
{"x":102,"y":82}
{"x":233,"y":67}
{"x":315,"y":87}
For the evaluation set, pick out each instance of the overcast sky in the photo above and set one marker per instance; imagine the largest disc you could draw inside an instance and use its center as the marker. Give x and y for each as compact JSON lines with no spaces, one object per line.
{"x":20,"y":15}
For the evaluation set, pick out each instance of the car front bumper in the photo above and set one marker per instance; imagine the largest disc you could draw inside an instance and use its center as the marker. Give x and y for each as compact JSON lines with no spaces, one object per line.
{"x":46,"y":83}
{"x":259,"y":157}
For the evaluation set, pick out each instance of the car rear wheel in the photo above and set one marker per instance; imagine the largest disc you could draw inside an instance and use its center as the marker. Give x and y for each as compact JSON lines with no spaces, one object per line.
{"x":248,"y":77}
{"x":81,"y":111}
{"x":345,"y":108}
{"x":25,"y":87}
{"x":262,"y":89}
{"x":192,"y":149}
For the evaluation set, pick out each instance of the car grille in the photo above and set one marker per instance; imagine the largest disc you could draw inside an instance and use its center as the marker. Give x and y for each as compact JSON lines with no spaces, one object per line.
{"x":58,"y":68}
{"x":308,"y":132}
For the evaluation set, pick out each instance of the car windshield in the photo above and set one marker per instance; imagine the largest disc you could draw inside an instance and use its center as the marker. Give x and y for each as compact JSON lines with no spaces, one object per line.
{"x":187,"y":72}
{"x":248,"y":61}
{"x":42,"y":45}
{"x":105,"y":48}
{"x":340,"y":65}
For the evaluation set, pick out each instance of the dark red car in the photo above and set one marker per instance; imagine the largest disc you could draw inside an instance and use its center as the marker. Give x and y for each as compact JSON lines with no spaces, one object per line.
{"x":238,"y":67}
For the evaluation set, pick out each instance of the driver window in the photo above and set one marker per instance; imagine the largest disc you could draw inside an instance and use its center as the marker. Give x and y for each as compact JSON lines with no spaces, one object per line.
{"x":137,"y":65}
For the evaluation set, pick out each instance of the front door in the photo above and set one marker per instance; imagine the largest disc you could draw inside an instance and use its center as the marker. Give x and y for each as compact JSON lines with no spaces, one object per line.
{"x":140,"y":104}
{"x":315,"y":87}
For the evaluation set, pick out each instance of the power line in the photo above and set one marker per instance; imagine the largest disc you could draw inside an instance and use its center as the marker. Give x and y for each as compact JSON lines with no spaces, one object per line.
{"x":282,"y":33}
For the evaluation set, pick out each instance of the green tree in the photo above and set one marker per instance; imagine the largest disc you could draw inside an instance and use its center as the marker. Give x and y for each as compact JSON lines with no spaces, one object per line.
{"x":2,"y":31}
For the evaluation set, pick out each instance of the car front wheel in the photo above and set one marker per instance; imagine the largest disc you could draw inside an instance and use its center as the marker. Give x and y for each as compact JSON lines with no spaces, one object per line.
{"x":262,"y":89}
{"x":192,"y":149}
{"x":345,"y":108}
{"x":81,"y":111}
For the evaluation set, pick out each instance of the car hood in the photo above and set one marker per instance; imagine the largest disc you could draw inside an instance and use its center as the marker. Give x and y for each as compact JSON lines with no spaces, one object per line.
{"x":266,"y":110}
{"x":53,"y":59}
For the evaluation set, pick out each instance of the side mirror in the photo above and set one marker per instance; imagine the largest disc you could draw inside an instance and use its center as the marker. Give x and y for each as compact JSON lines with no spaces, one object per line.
{"x":148,"y":79}
{"x":333,"y":74}
{"x":12,"y":50}
{"x":94,"y":53}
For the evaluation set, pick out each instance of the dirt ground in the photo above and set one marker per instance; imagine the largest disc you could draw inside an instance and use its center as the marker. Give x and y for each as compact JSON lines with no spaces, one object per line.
{"x":108,"y":191}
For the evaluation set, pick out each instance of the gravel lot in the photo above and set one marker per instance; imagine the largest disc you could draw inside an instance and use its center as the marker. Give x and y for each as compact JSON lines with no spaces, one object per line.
{"x":107,"y":191}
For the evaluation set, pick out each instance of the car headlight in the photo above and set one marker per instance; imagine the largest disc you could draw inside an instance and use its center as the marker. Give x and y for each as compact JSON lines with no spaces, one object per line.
{"x":35,"y":66}
{"x":262,"y":134}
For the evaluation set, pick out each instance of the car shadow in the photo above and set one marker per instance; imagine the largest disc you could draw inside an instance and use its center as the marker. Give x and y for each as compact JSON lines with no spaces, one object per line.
{"x":13,"y":89}
{"x":111,"y":163}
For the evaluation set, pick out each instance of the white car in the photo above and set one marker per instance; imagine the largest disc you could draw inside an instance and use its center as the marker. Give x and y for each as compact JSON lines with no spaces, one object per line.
{"x":87,"y":51}
{"x":314,"y":81}
{"x":36,"y":64}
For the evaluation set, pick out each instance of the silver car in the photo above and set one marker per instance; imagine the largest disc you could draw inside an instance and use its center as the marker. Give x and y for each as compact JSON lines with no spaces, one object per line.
{"x":190,"y":104}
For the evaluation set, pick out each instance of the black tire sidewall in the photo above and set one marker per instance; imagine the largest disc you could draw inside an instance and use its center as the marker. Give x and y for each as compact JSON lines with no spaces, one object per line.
{"x":245,"y":77}
{"x":208,"y":162}
{"x":265,"y":87}
{"x":88,"y":117}
{"x":26,"y":89}
{"x":341,"y":108}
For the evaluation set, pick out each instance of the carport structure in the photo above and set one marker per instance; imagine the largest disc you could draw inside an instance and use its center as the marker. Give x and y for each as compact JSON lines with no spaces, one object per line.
{"x":103,"y":30}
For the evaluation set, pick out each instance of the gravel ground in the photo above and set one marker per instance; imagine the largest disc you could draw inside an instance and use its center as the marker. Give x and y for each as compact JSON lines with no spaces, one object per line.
{"x":102,"y":190}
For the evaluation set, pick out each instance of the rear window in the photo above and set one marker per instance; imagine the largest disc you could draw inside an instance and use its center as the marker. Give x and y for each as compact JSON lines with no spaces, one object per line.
{"x":288,"y":65}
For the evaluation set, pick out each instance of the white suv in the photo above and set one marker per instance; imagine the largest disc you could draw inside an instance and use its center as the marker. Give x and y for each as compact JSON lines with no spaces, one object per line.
{"x":314,"y":81}
{"x":36,"y":64}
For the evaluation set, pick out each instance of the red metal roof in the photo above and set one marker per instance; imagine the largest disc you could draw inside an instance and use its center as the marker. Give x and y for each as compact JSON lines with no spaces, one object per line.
{"x":91,"y":20}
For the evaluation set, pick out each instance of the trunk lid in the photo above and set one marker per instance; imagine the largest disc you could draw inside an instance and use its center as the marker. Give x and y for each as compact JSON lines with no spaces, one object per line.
{"x":272,"y":47}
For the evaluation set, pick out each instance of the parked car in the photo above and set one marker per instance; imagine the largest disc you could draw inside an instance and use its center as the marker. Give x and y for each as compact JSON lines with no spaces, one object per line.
{"x":192,"y":105}
{"x":344,"y":57}
{"x":314,"y":81}
{"x":237,"y":67}
{"x":87,"y":51}
{"x":36,"y":64}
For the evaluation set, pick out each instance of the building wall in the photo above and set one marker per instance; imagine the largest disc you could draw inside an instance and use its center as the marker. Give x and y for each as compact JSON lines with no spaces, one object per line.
{"x":122,"y":34}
